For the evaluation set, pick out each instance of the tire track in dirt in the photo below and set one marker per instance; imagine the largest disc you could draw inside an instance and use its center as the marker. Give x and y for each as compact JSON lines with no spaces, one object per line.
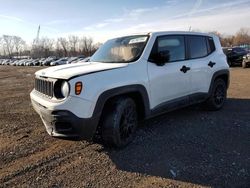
{"x":52,"y":154}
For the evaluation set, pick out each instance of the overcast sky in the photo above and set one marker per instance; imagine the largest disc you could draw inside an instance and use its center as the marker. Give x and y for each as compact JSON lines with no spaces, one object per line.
{"x":104,"y":19}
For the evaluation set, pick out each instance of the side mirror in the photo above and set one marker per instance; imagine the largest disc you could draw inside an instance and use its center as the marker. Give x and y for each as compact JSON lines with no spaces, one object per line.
{"x":160,"y":58}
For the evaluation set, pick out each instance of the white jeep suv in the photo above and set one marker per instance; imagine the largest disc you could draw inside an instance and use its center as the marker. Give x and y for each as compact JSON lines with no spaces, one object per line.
{"x":129,"y":79}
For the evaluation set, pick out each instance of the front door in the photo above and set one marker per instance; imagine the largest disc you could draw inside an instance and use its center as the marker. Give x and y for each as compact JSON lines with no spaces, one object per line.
{"x":171,"y":81}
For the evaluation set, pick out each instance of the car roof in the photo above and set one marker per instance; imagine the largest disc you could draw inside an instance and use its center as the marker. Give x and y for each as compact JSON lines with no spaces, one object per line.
{"x":159,"y":33}
{"x":180,"y":33}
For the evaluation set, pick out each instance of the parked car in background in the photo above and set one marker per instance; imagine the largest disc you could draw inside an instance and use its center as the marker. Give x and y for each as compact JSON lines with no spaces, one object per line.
{"x":36,"y":62}
{"x":2,"y":61}
{"x":47,"y":61}
{"x":234,"y":55}
{"x":77,"y":60}
{"x":246,"y":60}
{"x":21,"y":62}
{"x":28,"y":62}
{"x":18,"y":62}
{"x":40,"y":61}
{"x":13,"y":63}
{"x":72,"y":59}
{"x":61,"y":61}
{"x":84,"y":60}
{"x":7,"y":62}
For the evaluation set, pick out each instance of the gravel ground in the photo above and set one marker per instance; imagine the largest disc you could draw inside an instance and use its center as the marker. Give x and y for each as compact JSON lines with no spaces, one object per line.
{"x":185,"y":148}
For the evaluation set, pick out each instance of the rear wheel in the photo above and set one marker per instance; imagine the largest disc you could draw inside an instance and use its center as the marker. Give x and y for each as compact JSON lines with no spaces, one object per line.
{"x":119,"y":123}
{"x":218,"y":95}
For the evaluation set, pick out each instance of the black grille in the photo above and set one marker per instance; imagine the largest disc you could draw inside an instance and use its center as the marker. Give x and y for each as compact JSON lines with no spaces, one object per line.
{"x":45,"y":87}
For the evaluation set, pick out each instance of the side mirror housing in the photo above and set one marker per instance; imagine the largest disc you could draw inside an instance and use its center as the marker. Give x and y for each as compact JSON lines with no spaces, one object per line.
{"x":160,"y":58}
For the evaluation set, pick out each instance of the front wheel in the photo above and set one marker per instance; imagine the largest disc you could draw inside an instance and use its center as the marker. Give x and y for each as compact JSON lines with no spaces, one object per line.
{"x":119,"y":122}
{"x":218,"y":95}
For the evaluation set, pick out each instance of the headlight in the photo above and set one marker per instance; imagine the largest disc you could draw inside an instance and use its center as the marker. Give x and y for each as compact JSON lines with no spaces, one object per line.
{"x":65,"y":89}
{"x":61,"y":89}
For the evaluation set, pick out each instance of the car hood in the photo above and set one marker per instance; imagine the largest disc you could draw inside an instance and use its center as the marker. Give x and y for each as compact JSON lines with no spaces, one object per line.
{"x":71,"y":70}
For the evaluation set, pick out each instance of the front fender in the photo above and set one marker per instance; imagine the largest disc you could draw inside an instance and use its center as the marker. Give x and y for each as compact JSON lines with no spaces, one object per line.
{"x":123,"y":90}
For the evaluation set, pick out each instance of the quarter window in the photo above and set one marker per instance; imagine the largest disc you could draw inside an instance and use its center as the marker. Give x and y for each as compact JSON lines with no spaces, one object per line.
{"x":210,"y":44}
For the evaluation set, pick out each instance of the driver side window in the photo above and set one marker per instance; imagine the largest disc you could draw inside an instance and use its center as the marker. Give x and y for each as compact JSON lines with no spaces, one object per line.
{"x":172,"y":47}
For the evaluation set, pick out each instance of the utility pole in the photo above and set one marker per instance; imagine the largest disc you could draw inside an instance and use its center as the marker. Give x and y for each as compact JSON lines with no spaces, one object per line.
{"x":36,"y":43}
{"x":37,"y":35}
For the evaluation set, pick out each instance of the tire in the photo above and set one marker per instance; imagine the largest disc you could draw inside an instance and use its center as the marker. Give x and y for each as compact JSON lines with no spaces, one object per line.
{"x":119,"y":122}
{"x":217,"y":97}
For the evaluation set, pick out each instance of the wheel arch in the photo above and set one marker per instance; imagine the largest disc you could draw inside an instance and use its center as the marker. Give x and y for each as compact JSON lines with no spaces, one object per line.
{"x":137,"y":92}
{"x":221,"y":74}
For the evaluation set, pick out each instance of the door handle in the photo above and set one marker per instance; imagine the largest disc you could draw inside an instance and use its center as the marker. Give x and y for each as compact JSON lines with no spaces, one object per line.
{"x":211,"y":64}
{"x":184,"y":69}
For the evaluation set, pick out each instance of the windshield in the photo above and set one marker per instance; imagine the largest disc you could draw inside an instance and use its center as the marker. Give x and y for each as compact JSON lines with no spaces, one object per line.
{"x":121,"y":50}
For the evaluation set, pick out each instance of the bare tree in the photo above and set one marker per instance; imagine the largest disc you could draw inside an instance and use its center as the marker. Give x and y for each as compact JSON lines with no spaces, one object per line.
{"x":8,"y":44}
{"x":70,"y":46}
{"x":58,"y":50}
{"x":242,"y":37}
{"x":46,"y":46}
{"x":18,"y":44}
{"x":64,"y":44}
{"x":87,"y":46}
{"x":227,"y":41}
{"x":73,"y":41}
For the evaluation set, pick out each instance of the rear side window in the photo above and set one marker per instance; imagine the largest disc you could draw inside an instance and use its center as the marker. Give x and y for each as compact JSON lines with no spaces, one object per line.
{"x":197,"y":46}
{"x":172,"y":46}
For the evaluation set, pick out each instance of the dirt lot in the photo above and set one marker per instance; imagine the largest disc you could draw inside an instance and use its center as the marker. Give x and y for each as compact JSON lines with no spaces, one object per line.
{"x":184,"y":148}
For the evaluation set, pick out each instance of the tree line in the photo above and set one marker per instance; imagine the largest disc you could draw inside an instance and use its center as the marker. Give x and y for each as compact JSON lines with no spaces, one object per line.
{"x":14,"y":46}
{"x":10,"y":45}
{"x":242,"y":37}
{"x":72,"y":45}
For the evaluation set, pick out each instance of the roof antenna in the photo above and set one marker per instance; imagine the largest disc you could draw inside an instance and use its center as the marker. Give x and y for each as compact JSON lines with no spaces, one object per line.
{"x":190,"y":28}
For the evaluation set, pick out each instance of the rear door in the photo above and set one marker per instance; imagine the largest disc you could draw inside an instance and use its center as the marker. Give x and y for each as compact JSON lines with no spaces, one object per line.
{"x":203,"y":61}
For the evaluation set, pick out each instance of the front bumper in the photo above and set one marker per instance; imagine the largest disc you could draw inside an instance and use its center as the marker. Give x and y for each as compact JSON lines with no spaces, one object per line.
{"x":65,"y":124}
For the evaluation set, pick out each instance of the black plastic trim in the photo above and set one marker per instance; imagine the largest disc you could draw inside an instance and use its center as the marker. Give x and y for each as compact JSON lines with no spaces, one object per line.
{"x":178,"y":103}
{"x":65,"y":124}
{"x":216,"y":75}
{"x":123,"y":90}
